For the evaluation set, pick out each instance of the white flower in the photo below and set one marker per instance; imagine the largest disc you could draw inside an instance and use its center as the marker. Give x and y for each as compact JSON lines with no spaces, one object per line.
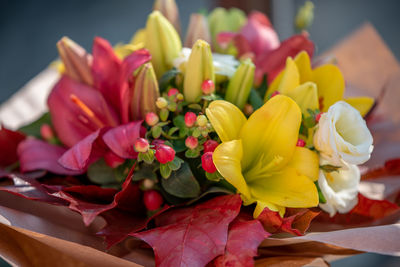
{"x":343,"y":135}
{"x":340,"y":188}
{"x":223,"y":64}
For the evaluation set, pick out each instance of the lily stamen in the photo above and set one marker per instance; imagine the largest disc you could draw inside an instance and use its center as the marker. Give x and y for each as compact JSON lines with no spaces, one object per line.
{"x":82,"y":106}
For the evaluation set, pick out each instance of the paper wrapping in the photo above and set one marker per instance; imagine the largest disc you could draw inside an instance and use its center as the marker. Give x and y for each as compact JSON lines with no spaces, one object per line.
{"x":39,"y":234}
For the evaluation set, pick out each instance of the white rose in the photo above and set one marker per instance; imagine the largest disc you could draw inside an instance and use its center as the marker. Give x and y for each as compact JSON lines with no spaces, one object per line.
{"x":343,"y":135}
{"x":340,"y":188}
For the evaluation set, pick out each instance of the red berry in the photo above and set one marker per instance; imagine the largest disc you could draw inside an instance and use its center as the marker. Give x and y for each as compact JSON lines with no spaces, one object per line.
{"x":190,"y":119}
{"x":164,"y":153}
{"x":301,"y":143}
{"x":173,"y":91}
{"x":152,"y":200}
{"x":141,"y":145}
{"x":318,"y":117}
{"x":207,"y":162}
{"x":157,"y":142}
{"x":152,"y":118}
{"x":208,"y":87}
{"x":210,"y":146}
{"x":191,"y":142}
{"x":275,"y":93}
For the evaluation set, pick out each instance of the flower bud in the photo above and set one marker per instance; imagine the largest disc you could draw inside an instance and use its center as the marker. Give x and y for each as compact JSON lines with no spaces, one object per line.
{"x":173,"y":91}
{"x":170,"y":11}
{"x":164,"y":153}
{"x":161,"y":102}
{"x":191,"y":142}
{"x":207,"y":162}
{"x":151,"y":119}
{"x":208,"y":87}
{"x":77,"y":61}
{"x":306,"y":96}
{"x":198,"y":29}
{"x":141,"y":145}
{"x":152,"y":200}
{"x":210,"y":146}
{"x":179,"y":97}
{"x":145,"y":93}
{"x":162,"y":41}
{"x":305,"y":16}
{"x":190,"y":119}
{"x":199,"y":68}
{"x":46,"y":132}
{"x":240,"y":84}
{"x":201,"y":120}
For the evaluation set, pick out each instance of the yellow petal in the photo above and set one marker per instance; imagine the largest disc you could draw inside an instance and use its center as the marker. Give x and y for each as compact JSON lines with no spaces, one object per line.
{"x":269,"y":136}
{"x":286,"y":81}
{"x":362,"y":104}
{"x":286,"y":188}
{"x":303,"y":64}
{"x":227,"y":157}
{"x":305,"y":162}
{"x":262,"y":205}
{"x":306,"y":96}
{"x":139,"y":37}
{"x":226,"y":119}
{"x":330,"y":84}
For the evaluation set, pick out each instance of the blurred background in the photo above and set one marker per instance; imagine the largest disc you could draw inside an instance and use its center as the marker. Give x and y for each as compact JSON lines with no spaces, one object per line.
{"x":30,"y":29}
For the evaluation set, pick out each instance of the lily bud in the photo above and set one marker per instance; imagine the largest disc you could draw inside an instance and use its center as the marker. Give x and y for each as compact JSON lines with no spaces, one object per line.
{"x":162,"y":41}
{"x":198,"y":69}
{"x":191,"y":142}
{"x":170,"y":11}
{"x":145,"y":93}
{"x":202,"y":120}
{"x":240,"y":84}
{"x":161,"y":102}
{"x":164,"y":153}
{"x":151,"y":119}
{"x":305,"y":16}
{"x":141,"y":145}
{"x":210,"y":146}
{"x":152,"y":200}
{"x":207,"y":162}
{"x":77,"y":61}
{"x":198,"y":29}
{"x":306,"y":96}
{"x":190,"y":119}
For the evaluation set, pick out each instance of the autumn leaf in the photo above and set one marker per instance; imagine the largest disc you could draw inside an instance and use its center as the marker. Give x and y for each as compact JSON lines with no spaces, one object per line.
{"x":192,"y":236}
{"x":9,"y":141}
{"x":390,"y":168}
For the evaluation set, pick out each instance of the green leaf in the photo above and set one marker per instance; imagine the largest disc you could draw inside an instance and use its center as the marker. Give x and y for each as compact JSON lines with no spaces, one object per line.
{"x":33,"y":129}
{"x":156,"y":131}
{"x":172,"y":130}
{"x":211,"y":190}
{"x":179,"y":121}
{"x":168,"y":78}
{"x":262,"y":90}
{"x":178,"y":145}
{"x":175,"y":164}
{"x":183,"y":132}
{"x":321,"y":196}
{"x":215,"y":176}
{"x":144,"y":173}
{"x":255,"y":99}
{"x":195,"y":106}
{"x":165,"y":171}
{"x":192,"y":153}
{"x":100,"y":173}
{"x":182,"y":183}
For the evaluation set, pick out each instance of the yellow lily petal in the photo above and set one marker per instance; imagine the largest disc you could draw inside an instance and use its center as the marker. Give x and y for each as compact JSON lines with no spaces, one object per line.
{"x":227,"y":157}
{"x":305,"y":162}
{"x":269,"y":136}
{"x":306,"y":96}
{"x":303,"y":64}
{"x":262,"y":205}
{"x":286,"y":188}
{"x":226,"y":119}
{"x":139,"y":37}
{"x":286,"y":81}
{"x":330,"y":84}
{"x":362,"y":104}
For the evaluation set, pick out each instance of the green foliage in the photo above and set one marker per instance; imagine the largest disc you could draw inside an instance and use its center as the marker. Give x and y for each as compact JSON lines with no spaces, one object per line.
{"x":182,"y":183}
{"x":33,"y":129}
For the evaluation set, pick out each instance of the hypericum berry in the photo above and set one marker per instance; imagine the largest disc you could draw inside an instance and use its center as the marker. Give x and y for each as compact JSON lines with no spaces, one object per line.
{"x":148,"y":184}
{"x":179,"y":97}
{"x":191,"y":142}
{"x":208,"y":87}
{"x":173,"y":91}
{"x":248,"y":109}
{"x":210,"y":146}
{"x":152,"y":200}
{"x":141,"y":145}
{"x":46,"y":132}
{"x":152,"y":118}
{"x":161,"y":102}
{"x":113,"y":160}
{"x":318,"y":117}
{"x":164,"y":153}
{"x":190,"y":119}
{"x":202,"y":120}
{"x":157,"y":142}
{"x":301,"y":143}
{"x":207,"y":162}
{"x":275,"y":93}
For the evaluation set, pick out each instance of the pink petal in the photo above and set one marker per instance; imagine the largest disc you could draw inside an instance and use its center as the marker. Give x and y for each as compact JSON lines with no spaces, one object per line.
{"x":38,"y":155}
{"x":72,"y":122}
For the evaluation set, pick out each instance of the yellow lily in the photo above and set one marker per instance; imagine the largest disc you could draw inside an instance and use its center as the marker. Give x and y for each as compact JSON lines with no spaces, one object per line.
{"x":259,"y":156}
{"x":327,"y":79}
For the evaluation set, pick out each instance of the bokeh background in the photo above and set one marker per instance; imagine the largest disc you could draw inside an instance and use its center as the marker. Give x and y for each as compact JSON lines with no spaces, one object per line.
{"x":29,"y":30}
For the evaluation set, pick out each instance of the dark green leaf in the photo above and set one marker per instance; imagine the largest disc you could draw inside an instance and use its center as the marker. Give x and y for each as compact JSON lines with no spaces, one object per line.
{"x":179,"y":121}
{"x":100,"y":173}
{"x":262,"y":90}
{"x":175,"y":164}
{"x":182,"y":183}
{"x":255,"y":99}
{"x":168,"y":78}
{"x":33,"y":129}
{"x":172,"y":130}
{"x":179,"y":145}
{"x":144,"y":173}
{"x":211,"y":190}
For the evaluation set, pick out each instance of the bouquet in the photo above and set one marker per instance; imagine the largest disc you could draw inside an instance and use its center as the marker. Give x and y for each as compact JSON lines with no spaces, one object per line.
{"x":203,"y":151}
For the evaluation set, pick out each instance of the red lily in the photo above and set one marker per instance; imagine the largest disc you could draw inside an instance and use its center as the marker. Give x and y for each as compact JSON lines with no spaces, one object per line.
{"x":93,"y":120}
{"x":258,"y":40}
